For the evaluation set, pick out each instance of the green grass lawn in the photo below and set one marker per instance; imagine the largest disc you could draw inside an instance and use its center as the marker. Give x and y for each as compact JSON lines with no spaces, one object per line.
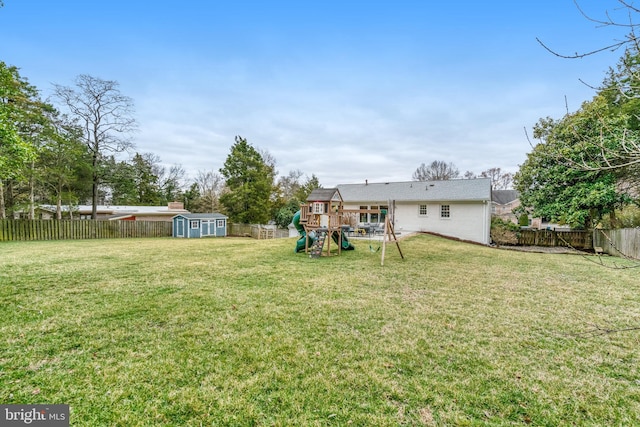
{"x":243,"y":332}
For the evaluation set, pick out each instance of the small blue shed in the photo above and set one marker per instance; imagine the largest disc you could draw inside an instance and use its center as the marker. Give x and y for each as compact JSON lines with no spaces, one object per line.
{"x":200,"y":225}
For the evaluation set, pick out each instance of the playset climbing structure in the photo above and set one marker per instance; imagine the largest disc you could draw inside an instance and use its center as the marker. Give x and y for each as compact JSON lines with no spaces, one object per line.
{"x":323,"y":219}
{"x":320,"y":221}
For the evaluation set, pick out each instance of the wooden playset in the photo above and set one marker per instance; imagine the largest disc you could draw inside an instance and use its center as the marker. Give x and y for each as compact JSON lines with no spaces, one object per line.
{"x":323,"y":219}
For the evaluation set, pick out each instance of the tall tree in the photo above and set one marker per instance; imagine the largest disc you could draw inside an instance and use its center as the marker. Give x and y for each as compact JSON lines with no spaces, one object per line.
{"x":145,"y":167}
{"x":106,"y":118}
{"x":293,"y":192}
{"x":621,"y":89}
{"x":310,"y":184}
{"x":136,"y":181}
{"x":171,"y":182}
{"x":209,"y":188}
{"x":550,"y":183}
{"x":250,"y":184}
{"x":61,"y":155}
{"x":191,"y":198}
{"x":37,"y":128}
{"x":288,"y":185}
{"x":436,"y":171}
{"x":18,"y":100}
{"x":499,"y":180}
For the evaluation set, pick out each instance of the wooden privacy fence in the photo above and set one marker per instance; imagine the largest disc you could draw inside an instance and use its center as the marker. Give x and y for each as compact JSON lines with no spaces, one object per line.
{"x":573,"y":239}
{"x":618,"y":242}
{"x":50,"y":229}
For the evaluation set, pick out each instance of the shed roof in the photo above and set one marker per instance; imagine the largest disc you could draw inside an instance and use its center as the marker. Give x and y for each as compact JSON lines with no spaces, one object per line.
{"x":450,"y":190}
{"x":202,"y":216}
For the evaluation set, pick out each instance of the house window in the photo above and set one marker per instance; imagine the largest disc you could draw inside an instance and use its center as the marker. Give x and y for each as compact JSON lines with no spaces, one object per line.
{"x":422,"y":210}
{"x":220,"y":223}
{"x":194,"y":224}
{"x":445,"y":211}
{"x":373,"y":217}
{"x":318,"y":208}
{"x":363,"y":216}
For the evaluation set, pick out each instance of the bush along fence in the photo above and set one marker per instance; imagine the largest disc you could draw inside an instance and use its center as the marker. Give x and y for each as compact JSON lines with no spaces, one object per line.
{"x":50,"y":229}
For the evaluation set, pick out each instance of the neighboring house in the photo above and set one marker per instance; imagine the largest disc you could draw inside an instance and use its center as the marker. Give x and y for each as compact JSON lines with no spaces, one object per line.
{"x":190,"y":225}
{"x":112,"y":213}
{"x":503,"y":202}
{"x":459,"y":208}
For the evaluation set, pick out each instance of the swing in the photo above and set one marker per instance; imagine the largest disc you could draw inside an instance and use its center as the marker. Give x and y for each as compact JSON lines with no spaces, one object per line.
{"x":371,"y":248}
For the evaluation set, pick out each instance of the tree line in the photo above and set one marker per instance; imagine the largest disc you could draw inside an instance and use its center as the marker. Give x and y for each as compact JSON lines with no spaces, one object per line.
{"x":439,"y":170}
{"x":584,"y":169}
{"x":69,"y":156}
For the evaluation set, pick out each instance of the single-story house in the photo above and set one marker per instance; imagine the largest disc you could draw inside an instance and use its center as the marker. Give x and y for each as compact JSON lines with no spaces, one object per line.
{"x":459,"y":208}
{"x":196,"y":225}
{"x":116,"y":212}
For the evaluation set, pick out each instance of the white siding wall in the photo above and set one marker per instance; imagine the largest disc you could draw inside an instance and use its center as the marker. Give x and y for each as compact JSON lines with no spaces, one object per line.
{"x":467,"y":221}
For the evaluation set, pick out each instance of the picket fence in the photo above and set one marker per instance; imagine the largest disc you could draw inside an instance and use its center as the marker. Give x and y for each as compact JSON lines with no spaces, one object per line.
{"x":257,"y":231}
{"x":50,"y":229}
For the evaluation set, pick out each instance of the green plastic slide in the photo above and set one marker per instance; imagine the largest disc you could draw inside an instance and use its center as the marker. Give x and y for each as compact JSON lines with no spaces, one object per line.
{"x":300,"y":244}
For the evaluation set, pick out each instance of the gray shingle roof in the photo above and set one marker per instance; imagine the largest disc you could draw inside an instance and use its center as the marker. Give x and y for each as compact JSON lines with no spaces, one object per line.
{"x":322,"y":195}
{"x":451,"y":190}
{"x":502,"y":197}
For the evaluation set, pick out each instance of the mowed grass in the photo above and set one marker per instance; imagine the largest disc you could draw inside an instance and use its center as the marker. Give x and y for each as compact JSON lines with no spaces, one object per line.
{"x":246,"y":333}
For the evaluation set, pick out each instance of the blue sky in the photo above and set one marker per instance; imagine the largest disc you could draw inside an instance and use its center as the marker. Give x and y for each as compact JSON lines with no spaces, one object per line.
{"x":346,"y":90}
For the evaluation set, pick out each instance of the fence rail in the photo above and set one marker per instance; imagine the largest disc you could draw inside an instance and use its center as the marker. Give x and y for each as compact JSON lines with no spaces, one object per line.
{"x":50,"y":229}
{"x":618,"y":242}
{"x":574,"y":239}
{"x":257,"y":231}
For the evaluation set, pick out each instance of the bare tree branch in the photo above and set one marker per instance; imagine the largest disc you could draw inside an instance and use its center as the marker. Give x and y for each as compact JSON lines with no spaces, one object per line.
{"x":596,"y":330}
{"x":105,"y":115}
{"x":608,"y":22}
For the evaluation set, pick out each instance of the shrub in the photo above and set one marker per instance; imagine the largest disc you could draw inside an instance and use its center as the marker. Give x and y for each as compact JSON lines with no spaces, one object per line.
{"x":523,"y":220}
{"x":504,"y":232}
{"x":628,"y":217}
